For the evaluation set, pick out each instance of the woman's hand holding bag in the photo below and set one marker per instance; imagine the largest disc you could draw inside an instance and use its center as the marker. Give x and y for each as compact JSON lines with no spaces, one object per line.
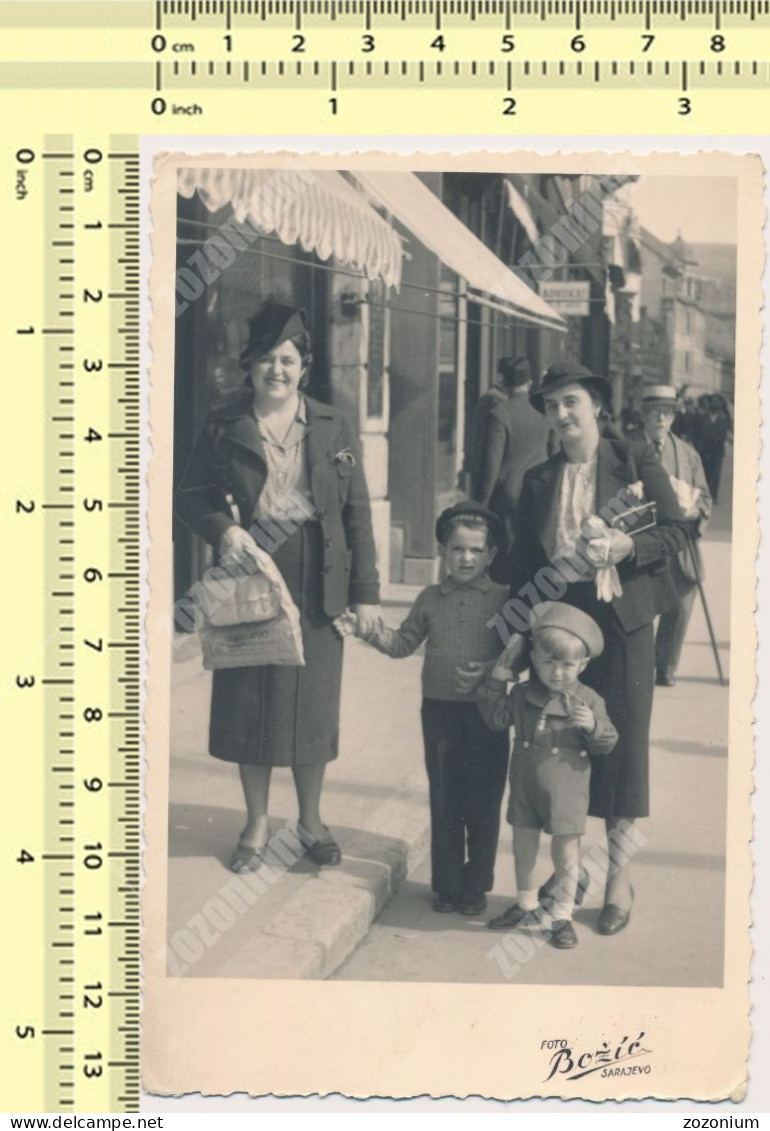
{"x":238,"y":545}
{"x":605,"y":548}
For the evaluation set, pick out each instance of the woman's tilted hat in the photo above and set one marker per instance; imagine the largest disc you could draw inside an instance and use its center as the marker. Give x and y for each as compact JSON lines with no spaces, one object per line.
{"x":467,"y":508}
{"x":555,"y":614}
{"x":659,"y":395}
{"x":272,"y":324}
{"x":568,"y":374}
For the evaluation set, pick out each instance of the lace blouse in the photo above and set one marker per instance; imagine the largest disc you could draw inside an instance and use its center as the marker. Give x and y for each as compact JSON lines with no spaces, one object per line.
{"x":577,"y":502}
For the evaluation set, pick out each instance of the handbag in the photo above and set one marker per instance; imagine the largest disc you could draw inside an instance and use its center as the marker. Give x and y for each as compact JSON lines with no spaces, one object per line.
{"x":228,"y":595}
{"x":249,"y":617}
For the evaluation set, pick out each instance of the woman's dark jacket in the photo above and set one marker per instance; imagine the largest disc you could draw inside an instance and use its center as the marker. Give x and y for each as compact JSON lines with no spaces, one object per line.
{"x":646,"y":580}
{"x":229,"y":459}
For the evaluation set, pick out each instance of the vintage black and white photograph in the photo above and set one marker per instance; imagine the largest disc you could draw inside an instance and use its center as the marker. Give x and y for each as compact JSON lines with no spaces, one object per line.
{"x":452,"y":491}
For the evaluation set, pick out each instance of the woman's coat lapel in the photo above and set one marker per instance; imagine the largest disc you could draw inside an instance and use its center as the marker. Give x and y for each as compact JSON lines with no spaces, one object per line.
{"x":240,"y":429}
{"x":612,"y":475}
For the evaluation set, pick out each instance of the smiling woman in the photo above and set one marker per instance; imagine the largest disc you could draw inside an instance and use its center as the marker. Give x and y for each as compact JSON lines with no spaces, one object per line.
{"x":278,"y":460}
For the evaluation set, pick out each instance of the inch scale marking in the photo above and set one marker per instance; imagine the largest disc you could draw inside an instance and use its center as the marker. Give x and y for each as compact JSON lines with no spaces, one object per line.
{"x":75,"y":335}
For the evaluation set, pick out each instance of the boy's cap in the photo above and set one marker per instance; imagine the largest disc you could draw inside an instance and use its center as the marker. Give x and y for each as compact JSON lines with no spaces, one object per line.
{"x":468,"y":509}
{"x":558,"y":615}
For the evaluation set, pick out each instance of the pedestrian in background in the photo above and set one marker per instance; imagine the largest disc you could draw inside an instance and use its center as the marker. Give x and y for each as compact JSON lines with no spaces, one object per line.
{"x":683,"y":466}
{"x":477,"y":440}
{"x":714,"y":435}
{"x":516,"y":439}
{"x":465,"y":760}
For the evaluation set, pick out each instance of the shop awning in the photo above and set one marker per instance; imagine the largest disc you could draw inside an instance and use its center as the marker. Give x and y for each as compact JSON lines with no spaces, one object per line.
{"x":488,"y":279}
{"x":318,"y":210}
{"x":522,"y":212}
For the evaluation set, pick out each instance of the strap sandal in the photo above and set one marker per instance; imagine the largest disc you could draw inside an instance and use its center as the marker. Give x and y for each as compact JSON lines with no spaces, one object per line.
{"x":247,"y":858}
{"x":326,"y":852}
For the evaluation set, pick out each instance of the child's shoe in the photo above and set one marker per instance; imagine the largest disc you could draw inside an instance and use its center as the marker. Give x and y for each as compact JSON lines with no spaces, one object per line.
{"x":512,"y":917}
{"x":472,"y":903}
{"x":444,"y":903}
{"x":563,"y":935}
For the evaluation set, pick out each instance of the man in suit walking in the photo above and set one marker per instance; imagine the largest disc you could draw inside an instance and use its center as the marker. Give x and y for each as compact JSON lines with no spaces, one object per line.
{"x":478,"y":428}
{"x":516,"y":439}
{"x":685,"y":470}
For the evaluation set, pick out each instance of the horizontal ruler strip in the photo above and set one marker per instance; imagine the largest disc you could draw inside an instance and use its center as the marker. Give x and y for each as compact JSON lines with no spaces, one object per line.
{"x":193,"y":76}
{"x":151,"y":13}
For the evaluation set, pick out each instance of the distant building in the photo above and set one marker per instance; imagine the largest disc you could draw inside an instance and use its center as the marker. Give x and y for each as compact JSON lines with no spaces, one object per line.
{"x":687,"y":323}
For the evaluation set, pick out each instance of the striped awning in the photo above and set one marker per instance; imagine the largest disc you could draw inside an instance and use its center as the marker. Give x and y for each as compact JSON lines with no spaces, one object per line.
{"x":318,"y":210}
{"x":487,"y":277}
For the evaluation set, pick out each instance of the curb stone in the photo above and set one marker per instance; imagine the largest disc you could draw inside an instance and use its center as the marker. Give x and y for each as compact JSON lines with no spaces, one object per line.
{"x":322,"y":924}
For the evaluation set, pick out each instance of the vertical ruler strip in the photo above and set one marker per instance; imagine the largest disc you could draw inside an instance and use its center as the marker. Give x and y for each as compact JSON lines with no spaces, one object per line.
{"x":75,"y":475}
{"x":108,"y":578}
{"x":58,"y":650}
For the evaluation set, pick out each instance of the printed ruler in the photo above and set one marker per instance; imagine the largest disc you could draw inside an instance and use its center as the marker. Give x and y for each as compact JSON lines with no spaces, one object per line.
{"x":475,"y":66}
{"x":71,"y":714}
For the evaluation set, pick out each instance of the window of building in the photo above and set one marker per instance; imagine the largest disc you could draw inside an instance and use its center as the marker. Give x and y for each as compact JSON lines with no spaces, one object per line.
{"x":448,"y":359}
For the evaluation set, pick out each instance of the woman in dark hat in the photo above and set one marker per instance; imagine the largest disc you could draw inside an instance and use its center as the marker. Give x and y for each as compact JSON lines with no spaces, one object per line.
{"x":590,"y":476}
{"x":284,"y":471}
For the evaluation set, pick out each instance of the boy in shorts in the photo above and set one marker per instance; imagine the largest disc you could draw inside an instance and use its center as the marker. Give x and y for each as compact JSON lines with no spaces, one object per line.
{"x":559,"y":723}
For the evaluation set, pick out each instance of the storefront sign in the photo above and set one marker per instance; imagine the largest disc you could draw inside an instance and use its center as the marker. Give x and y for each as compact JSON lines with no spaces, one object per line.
{"x":567,"y":298}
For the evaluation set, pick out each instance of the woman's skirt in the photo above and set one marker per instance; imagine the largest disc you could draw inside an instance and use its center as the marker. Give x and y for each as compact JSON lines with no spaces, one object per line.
{"x":285,"y":716}
{"x":624,"y":676}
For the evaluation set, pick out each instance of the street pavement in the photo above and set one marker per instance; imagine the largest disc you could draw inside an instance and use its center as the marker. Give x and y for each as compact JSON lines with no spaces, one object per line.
{"x":305,"y":922}
{"x":675,"y":937}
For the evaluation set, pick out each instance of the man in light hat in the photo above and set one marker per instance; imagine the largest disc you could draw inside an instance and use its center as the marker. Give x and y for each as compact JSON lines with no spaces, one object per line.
{"x":685,"y":470}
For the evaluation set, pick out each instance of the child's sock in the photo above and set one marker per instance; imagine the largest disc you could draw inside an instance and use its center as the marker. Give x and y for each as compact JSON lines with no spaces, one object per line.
{"x":562,"y":911}
{"x":527,"y":900}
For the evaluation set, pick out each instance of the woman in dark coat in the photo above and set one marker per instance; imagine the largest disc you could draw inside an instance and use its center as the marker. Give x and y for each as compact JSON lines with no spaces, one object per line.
{"x":590,"y":475}
{"x":290,"y":470}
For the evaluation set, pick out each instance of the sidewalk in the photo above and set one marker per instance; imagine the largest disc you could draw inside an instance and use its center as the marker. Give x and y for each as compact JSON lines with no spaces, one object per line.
{"x":308,"y":920}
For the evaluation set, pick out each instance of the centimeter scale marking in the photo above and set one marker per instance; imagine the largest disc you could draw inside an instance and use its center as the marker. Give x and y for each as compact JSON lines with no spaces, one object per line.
{"x":220,"y":50}
{"x":325,"y":56}
{"x":89,"y":666}
{"x":149,"y":13}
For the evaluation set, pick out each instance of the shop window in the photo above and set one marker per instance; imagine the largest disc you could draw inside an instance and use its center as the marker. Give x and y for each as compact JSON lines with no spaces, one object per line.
{"x":375,"y":385}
